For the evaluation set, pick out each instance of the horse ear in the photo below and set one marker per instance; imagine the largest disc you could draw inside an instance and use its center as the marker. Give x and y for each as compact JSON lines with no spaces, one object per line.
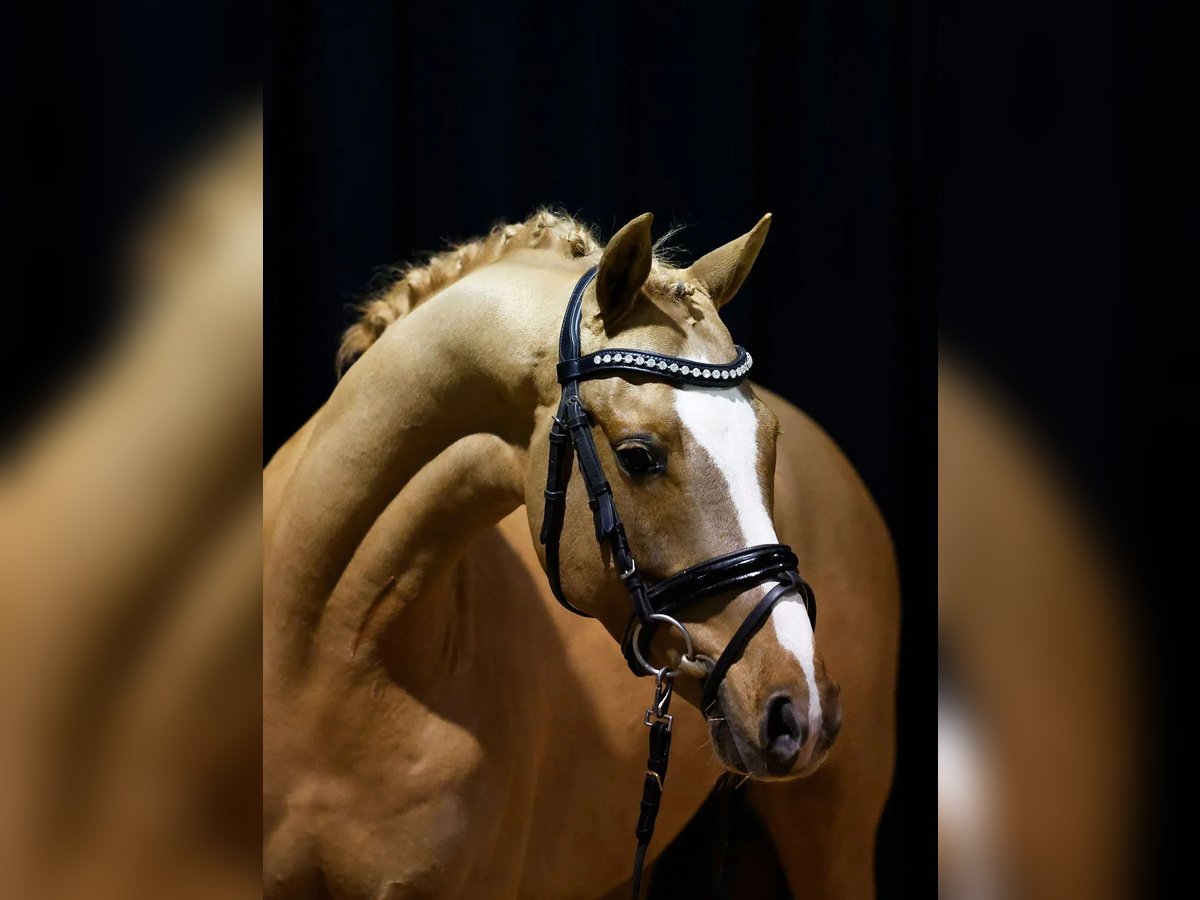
{"x":624,"y":268}
{"x":722,"y":271}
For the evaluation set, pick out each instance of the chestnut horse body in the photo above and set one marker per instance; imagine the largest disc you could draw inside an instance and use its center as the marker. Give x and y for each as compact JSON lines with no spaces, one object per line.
{"x":436,"y":725}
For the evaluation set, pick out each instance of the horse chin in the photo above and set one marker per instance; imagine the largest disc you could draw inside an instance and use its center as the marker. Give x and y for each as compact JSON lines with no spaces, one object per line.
{"x":739,"y":757}
{"x":817,"y":760}
{"x":726,"y":747}
{"x":735,"y":753}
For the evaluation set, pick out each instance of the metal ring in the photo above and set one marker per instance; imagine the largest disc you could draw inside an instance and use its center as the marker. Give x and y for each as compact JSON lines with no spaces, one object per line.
{"x":665,"y":671}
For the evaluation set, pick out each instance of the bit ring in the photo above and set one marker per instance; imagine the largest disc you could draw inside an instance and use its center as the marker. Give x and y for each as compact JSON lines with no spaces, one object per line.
{"x":664,"y":671}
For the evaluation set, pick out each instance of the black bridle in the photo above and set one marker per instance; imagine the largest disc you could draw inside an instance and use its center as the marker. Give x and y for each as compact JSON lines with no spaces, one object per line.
{"x":653,"y":603}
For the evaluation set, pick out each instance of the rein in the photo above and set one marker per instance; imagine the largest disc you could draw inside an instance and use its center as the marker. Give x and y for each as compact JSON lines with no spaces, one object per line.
{"x":653,"y":603}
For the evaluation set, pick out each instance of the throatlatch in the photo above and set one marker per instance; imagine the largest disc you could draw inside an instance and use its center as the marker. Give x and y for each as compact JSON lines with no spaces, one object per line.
{"x":658,"y":603}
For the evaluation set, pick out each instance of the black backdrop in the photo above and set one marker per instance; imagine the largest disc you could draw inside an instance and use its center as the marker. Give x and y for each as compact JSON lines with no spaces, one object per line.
{"x":395,"y":127}
{"x":103,"y":104}
{"x":1067,"y":236}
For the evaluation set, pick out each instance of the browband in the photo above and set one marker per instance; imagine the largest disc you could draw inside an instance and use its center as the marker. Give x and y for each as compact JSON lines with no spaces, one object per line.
{"x":571,"y":436}
{"x":658,"y":366}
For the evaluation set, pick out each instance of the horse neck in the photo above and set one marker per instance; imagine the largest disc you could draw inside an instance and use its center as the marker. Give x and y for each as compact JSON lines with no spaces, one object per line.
{"x":420,"y":446}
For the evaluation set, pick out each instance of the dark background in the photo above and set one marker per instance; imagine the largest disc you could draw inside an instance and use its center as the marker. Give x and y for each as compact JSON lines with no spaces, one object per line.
{"x":1067,"y":241}
{"x":393,"y":128}
{"x":103,"y":104}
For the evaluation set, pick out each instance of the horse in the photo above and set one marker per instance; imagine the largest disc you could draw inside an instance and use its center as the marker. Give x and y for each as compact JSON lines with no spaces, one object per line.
{"x":435,"y":723}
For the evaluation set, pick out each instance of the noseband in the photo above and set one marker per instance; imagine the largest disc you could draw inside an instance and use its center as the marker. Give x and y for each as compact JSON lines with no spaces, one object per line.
{"x":659,"y":602}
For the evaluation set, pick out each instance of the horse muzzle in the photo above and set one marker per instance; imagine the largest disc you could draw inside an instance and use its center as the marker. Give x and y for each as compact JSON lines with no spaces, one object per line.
{"x":784,"y":738}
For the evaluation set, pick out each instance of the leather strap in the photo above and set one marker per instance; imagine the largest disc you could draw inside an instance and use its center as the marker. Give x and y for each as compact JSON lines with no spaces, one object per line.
{"x":731,"y":573}
{"x":737,"y":644}
{"x":656,"y":777}
{"x":558,"y":471}
{"x":738,"y":570}
{"x":653,"y":784}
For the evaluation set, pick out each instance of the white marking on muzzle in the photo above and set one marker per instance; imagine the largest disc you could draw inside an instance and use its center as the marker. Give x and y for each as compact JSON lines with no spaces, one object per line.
{"x":722,"y":421}
{"x":794,"y":631}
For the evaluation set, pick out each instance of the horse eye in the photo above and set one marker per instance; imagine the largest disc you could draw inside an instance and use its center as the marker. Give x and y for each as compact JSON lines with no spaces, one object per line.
{"x":638,"y":460}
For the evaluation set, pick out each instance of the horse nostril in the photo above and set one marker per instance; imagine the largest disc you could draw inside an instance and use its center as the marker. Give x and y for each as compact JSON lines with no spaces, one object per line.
{"x":785,"y":734}
{"x":781,"y":720}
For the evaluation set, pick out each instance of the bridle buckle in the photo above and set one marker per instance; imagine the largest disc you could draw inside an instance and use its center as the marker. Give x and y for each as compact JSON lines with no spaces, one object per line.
{"x":651,"y":714}
{"x":663,"y":688}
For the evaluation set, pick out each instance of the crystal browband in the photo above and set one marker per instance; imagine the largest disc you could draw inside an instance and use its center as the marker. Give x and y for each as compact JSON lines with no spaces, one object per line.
{"x":613,"y":361}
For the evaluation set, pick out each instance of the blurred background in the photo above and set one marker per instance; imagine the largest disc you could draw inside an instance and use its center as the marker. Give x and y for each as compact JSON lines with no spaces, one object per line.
{"x":397,"y":128}
{"x":130,"y":447}
{"x":106,"y":107}
{"x":1067,"y":530}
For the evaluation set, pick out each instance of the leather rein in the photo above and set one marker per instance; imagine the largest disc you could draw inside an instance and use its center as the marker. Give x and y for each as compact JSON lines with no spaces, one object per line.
{"x":659,"y":602}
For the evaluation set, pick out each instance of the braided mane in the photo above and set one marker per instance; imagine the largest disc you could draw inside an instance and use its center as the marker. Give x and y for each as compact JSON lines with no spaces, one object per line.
{"x":414,"y":284}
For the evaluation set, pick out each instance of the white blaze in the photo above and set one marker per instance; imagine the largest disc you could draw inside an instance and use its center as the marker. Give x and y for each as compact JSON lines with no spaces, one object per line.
{"x":722,"y":421}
